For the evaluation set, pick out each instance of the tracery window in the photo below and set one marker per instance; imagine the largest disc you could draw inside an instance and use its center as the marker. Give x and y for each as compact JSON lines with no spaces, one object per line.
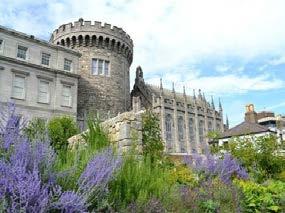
{"x":181,"y":133}
{"x":201,"y":131}
{"x":168,"y":128}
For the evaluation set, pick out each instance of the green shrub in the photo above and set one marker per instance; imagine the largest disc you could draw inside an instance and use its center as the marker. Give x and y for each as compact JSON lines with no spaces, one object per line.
{"x":95,"y":136}
{"x":260,"y":157}
{"x":139,"y":181}
{"x":36,"y":130}
{"x":269,"y":197}
{"x":151,"y":136}
{"x":59,"y":130}
{"x":74,"y":161}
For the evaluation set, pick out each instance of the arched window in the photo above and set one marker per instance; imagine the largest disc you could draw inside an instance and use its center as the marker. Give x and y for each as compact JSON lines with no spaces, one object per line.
{"x":73,"y":40}
{"x":68,"y":42}
{"x":80,"y":40}
{"x":210,"y":126}
{"x":181,"y":133}
{"x":100,"y":42}
{"x":201,"y":131}
{"x":87,"y":40}
{"x":113,"y":44}
{"x":118,"y":47}
{"x":191,"y":130}
{"x":107,"y":41}
{"x":62,"y":42}
{"x":93,"y":40}
{"x":168,"y":132}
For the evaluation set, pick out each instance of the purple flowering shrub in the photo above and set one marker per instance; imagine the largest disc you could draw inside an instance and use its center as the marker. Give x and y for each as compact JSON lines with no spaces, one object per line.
{"x":211,"y":165}
{"x":28,"y":181}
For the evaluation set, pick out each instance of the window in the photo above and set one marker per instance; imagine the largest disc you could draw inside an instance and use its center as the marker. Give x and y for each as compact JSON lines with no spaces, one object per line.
{"x":1,"y":45}
{"x":45,"y":59}
{"x":22,"y":52}
{"x":106,"y":68}
{"x":181,"y":133}
{"x":201,"y":131}
{"x":43,"y":95}
{"x":18,"y":90}
{"x":180,"y":128}
{"x":168,"y":128}
{"x":66,"y":96}
{"x":191,"y":130}
{"x":210,"y":126}
{"x":67,"y":65}
{"x":100,"y":67}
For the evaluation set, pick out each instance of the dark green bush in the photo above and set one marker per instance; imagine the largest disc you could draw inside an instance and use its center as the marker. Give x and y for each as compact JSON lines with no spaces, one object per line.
{"x":59,"y":130}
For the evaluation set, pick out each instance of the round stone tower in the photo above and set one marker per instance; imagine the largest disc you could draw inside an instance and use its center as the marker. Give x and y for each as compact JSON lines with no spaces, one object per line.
{"x":107,"y":54}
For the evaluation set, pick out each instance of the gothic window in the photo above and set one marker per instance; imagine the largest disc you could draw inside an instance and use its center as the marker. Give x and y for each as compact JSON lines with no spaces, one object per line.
{"x":1,"y":45}
{"x":168,"y":128}
{"x":201,"y":131}
{"x":210,"y":126}
{"x":181,"y":133}
{"x":191,"y":130}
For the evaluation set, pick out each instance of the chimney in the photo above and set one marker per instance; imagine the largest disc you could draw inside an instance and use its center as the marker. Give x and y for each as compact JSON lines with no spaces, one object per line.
{"x":250,"y":114}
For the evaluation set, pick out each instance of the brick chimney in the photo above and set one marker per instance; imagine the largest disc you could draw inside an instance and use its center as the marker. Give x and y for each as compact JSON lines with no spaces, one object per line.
{"x":250,"y":114}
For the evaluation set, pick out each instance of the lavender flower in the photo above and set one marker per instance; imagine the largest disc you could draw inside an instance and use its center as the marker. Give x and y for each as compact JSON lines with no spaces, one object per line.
{"x":99,"y":171}
{"x":70,"y":202}
{"x":211,"y":165}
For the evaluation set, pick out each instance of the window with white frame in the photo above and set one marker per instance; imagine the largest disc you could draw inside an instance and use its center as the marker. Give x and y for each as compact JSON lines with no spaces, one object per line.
{"x":100,"y":67}
{"x":18,"y":89}
{"x":1,"y":45}
{"x":45,"y":59}
{"x":44,"y":92}
{"x":22,"y":52}
{"x":67,"y":65}
{"x":66,"y":96}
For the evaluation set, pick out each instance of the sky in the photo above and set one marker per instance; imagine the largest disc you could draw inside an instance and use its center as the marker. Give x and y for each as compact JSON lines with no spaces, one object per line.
{"x":230,"y":49}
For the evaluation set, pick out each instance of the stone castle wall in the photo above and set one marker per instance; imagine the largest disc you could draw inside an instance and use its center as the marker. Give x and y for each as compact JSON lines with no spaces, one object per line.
{"x":106,"y":95}
{"x":122,"y":130}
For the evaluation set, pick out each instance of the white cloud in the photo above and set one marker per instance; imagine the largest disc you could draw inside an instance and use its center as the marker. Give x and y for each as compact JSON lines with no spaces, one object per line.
{"x":277,"y":61}
{"x":221,"y":85}
{"x":166,"y":32}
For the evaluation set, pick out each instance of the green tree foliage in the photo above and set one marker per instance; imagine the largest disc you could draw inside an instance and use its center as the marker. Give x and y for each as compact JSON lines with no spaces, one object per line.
{"x":151,"y":136}
{"x":267,"y":197}
{"x":59,"y":130}
{"x":260,"y":156}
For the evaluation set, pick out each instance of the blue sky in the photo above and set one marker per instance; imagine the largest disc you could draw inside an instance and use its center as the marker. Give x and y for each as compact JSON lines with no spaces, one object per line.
{"x":232,"y":49}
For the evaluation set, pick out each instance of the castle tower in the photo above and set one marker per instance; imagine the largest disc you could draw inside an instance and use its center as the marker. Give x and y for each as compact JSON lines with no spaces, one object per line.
{"x":107,"y":54}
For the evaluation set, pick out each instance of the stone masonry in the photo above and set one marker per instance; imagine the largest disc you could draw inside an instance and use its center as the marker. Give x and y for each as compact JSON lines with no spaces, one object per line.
{"x":106,"y":95}
{"x":122,"y":130}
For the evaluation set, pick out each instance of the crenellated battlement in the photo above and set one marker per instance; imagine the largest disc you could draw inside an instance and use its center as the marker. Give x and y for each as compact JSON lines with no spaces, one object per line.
{"x":89,"y":26}
{"x":87,"y":33}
